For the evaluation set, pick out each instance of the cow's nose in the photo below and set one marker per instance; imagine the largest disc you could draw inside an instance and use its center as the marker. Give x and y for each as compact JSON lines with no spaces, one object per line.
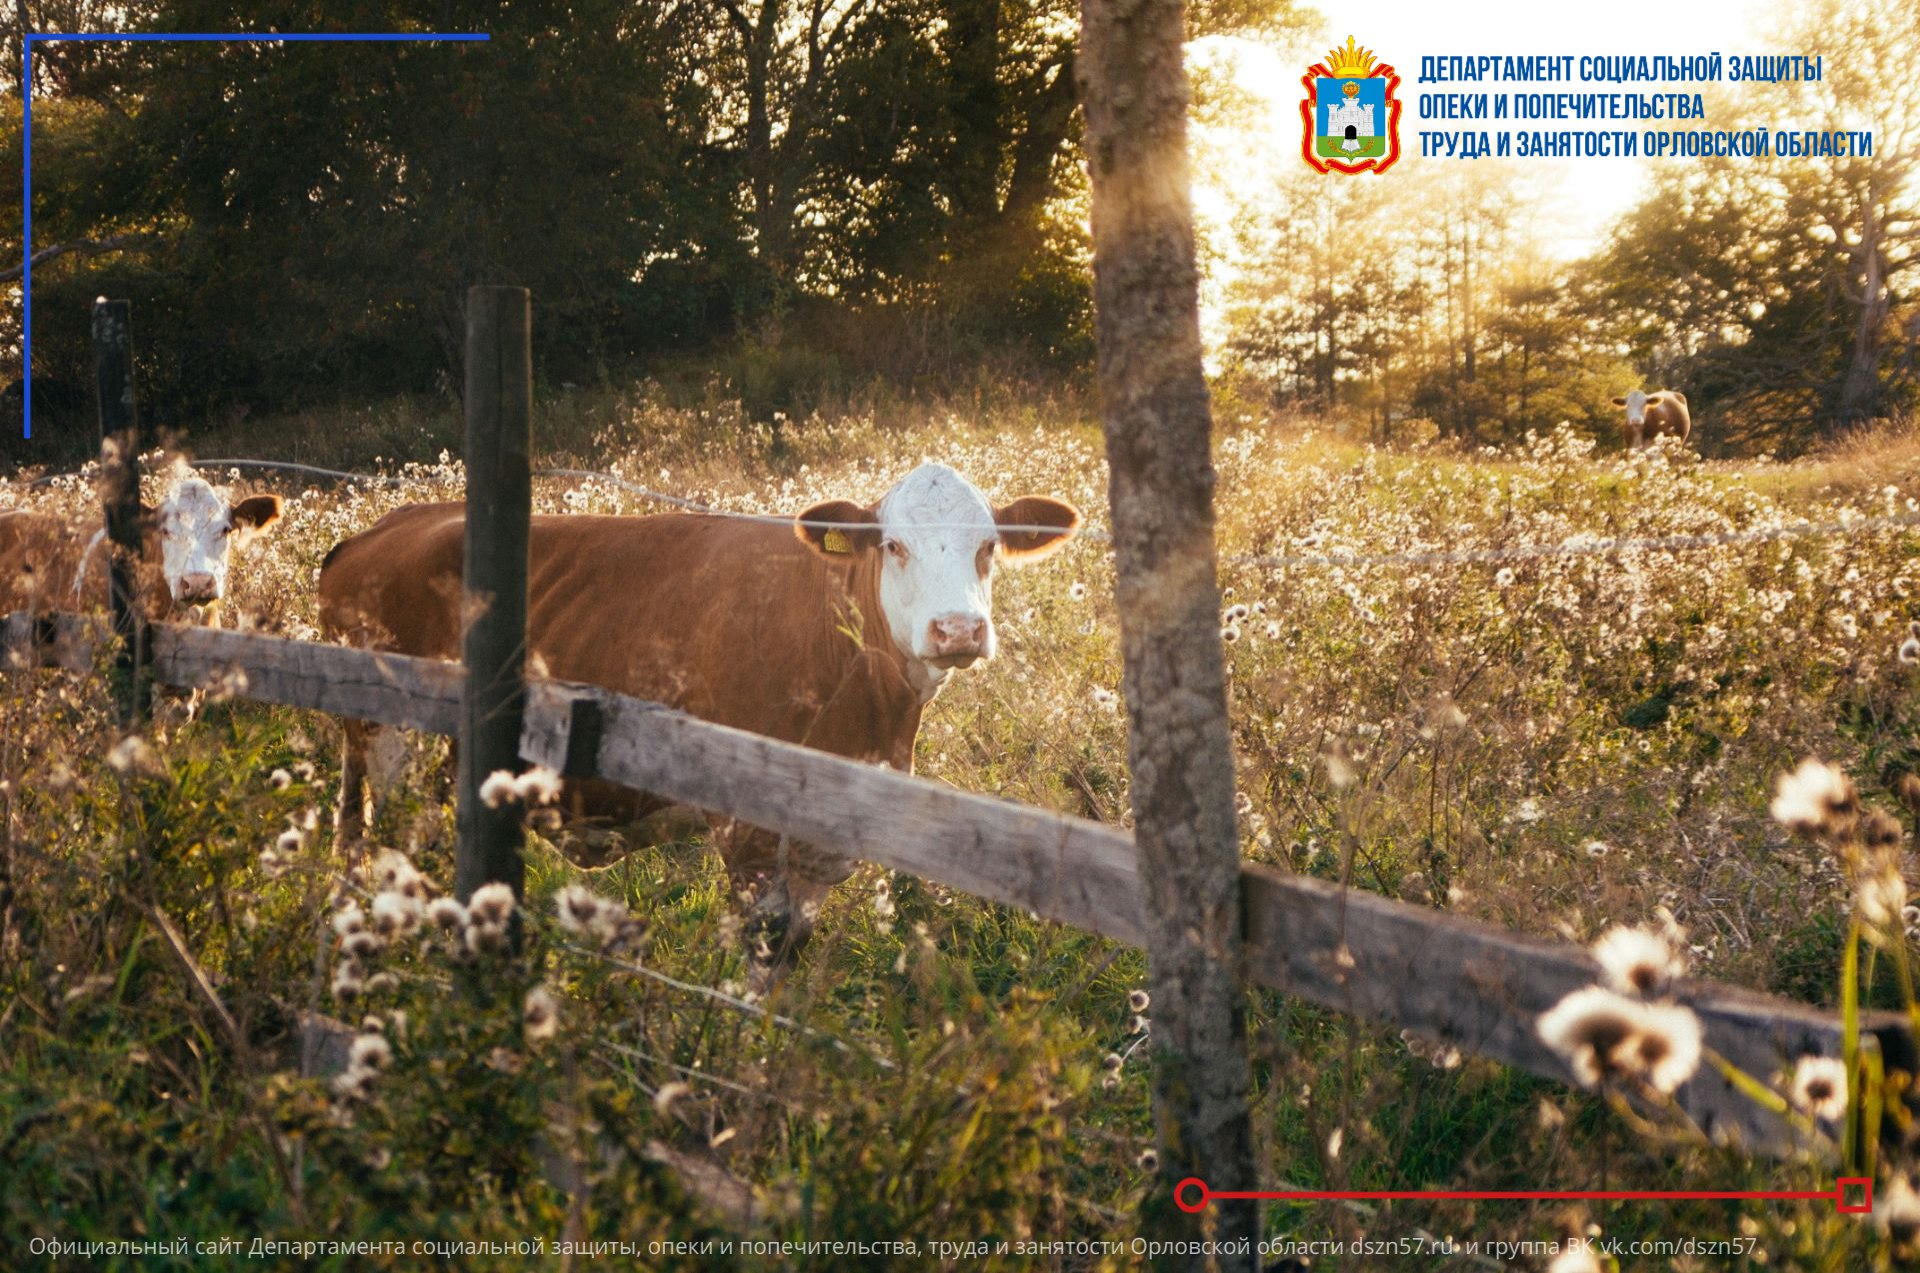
{"x":198,"y":586}
{"x":954,"y":635}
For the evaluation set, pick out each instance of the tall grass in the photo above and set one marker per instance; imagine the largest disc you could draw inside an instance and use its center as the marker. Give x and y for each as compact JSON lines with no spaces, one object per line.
{"x":1558,"y":744}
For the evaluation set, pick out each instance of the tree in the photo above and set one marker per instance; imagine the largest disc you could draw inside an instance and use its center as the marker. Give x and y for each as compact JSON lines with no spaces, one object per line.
{"x":1780,"y":291}
{"x":1158,"y":427}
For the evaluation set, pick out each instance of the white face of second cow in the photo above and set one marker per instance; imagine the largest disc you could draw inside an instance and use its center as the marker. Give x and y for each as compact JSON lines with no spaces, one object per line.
{"x":937,"y":537}
{"x":197,"y":527}
{"x":1636,"y":405}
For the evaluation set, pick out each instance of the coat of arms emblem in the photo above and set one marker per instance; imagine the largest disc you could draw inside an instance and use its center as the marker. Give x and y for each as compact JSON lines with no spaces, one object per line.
{"x":1350,"y":117}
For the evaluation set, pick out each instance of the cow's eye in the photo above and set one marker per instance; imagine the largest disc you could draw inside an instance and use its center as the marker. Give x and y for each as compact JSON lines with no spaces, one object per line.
{"x":896,"y":550}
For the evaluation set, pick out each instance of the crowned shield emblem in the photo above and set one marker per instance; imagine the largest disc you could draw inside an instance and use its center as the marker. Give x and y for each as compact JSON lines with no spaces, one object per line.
{"x":1351,"y":118}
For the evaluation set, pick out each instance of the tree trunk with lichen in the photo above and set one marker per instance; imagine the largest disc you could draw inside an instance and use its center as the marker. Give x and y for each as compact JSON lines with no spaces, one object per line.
{"x":1158,"y":427}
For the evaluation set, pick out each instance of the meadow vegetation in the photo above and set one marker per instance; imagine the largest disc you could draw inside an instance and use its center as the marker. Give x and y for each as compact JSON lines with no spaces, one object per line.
{"x":1556,"y":743}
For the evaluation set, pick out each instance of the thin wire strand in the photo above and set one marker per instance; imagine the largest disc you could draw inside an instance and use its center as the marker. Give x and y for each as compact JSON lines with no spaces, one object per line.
{"x":1585,"y":547}
{"x":297,"y":468}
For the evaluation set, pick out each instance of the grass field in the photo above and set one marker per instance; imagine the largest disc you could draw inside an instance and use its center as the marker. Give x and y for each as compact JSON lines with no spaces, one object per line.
{"x":1556,"y":743}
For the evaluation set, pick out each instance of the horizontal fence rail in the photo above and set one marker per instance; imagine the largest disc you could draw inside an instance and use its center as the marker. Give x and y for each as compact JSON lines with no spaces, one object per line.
{"x":1444,"y":978}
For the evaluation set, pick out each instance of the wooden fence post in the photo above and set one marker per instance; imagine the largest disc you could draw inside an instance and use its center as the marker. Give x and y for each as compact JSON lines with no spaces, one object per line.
{"x":1158,"y":425}
{"x":499,"y":398}
{"x":120,"y":496}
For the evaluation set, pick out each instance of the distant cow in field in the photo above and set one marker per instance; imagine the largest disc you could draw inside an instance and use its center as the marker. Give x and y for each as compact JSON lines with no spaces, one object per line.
{"x":834,"y":631}
{"x":1652,"y":415}
{"x":47,"y":563}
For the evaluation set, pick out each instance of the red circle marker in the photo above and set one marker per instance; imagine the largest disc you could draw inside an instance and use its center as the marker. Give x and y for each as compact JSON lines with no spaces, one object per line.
{"x":1180,"y":1190}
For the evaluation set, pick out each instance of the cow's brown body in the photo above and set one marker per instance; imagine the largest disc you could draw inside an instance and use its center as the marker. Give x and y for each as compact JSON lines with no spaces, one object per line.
{"x":1665,"y":415}
{"x":47,"y":565}
{"x":735,"y":622}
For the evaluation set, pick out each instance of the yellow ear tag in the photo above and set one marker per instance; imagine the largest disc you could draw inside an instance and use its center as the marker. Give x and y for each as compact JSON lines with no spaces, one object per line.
{"x":836,"y":541}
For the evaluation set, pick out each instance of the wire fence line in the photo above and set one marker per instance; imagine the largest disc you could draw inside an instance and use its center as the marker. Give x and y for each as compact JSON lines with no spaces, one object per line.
{"x":1581,"y":545}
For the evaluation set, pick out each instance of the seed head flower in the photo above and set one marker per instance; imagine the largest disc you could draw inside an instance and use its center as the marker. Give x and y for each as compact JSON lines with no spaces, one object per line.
{"x":577,"y":907}
{"x":355,"y":1083}
{"x":348,"y":981}
{"x":1819,"y":1088}
{"x":490,"y":904}
{"x":1138,"y":1000}
{"x":1638,"y":962}
{"x":1881,"y":896}
{"x":395,"y":914}
{"x":1575,"y":1259}
{"x":370,"y":1051}
{"x":362,"y":943}
{"x":130,"y":755}
{"x":1604,"y":1035}
{"x":349,"y":919}
{"x":1910,"y":650}
{"x":280,"y":780}
{"x":538,"y":786}
{"x":1586,"y":1028}
{"x":1667,"y":1048}
{"x":1896,"y":1211}
{"x":497,"y":789}
{"x":445,"y":912}
{"x":1813,"y":797}
{"x":541,"y":1014}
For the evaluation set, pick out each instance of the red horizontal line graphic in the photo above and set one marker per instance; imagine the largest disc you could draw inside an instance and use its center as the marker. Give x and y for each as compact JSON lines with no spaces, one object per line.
{"x":1184,"y":1194}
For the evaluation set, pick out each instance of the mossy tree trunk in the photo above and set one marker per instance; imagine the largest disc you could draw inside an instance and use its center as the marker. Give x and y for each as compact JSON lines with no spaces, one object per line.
{"x":1158,"y":427}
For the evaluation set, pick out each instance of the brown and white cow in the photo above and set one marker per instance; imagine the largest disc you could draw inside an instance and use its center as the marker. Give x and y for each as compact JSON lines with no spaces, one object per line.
{"x":1662,"y":413}
{"x":834,"y":631}
{"x":47,"y":563}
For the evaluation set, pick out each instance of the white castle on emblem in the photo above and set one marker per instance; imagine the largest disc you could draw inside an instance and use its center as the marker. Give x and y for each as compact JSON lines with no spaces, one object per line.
{"x":1350,"y":115}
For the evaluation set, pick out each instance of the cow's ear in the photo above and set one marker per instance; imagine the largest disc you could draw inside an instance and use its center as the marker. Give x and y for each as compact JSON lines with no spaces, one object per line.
{"x":256,"y":512}
{"x":1619,"y":402}
{"x":838,"y":527}
{"x":1035,"y":526}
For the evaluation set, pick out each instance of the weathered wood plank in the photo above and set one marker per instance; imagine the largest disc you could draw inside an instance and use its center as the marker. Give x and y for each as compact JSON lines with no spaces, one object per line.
{"x":389,"y":689}
{"x":1481,"y":988}
{"x":1444,"y":977}
{"x":1441,"y":976}
{"x":1062,"y":868}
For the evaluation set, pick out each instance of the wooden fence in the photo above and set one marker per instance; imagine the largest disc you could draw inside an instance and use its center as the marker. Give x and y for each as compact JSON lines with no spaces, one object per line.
{"x":1472,"y":985}
{"x":1447,"y":979}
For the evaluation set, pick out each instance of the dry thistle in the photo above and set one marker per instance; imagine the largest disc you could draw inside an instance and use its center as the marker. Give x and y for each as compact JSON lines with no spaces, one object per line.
{"x":1819,"y":1088}
{"x":1638,"y":962}
{"x":1816,"y":799}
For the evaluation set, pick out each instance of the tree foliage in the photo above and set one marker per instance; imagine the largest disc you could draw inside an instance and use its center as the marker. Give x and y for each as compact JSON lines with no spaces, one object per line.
{"x":1780,"y":294}
{"x":889,"y":183}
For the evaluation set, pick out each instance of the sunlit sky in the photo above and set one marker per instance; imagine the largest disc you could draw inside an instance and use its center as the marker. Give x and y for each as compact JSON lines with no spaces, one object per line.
{"x":1401,"y":32}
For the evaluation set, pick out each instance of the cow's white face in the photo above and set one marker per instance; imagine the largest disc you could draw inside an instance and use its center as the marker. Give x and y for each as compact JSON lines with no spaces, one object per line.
{"x":937,"y":537}
{"x":1636,"y":405}
{"x":197,"y":528}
